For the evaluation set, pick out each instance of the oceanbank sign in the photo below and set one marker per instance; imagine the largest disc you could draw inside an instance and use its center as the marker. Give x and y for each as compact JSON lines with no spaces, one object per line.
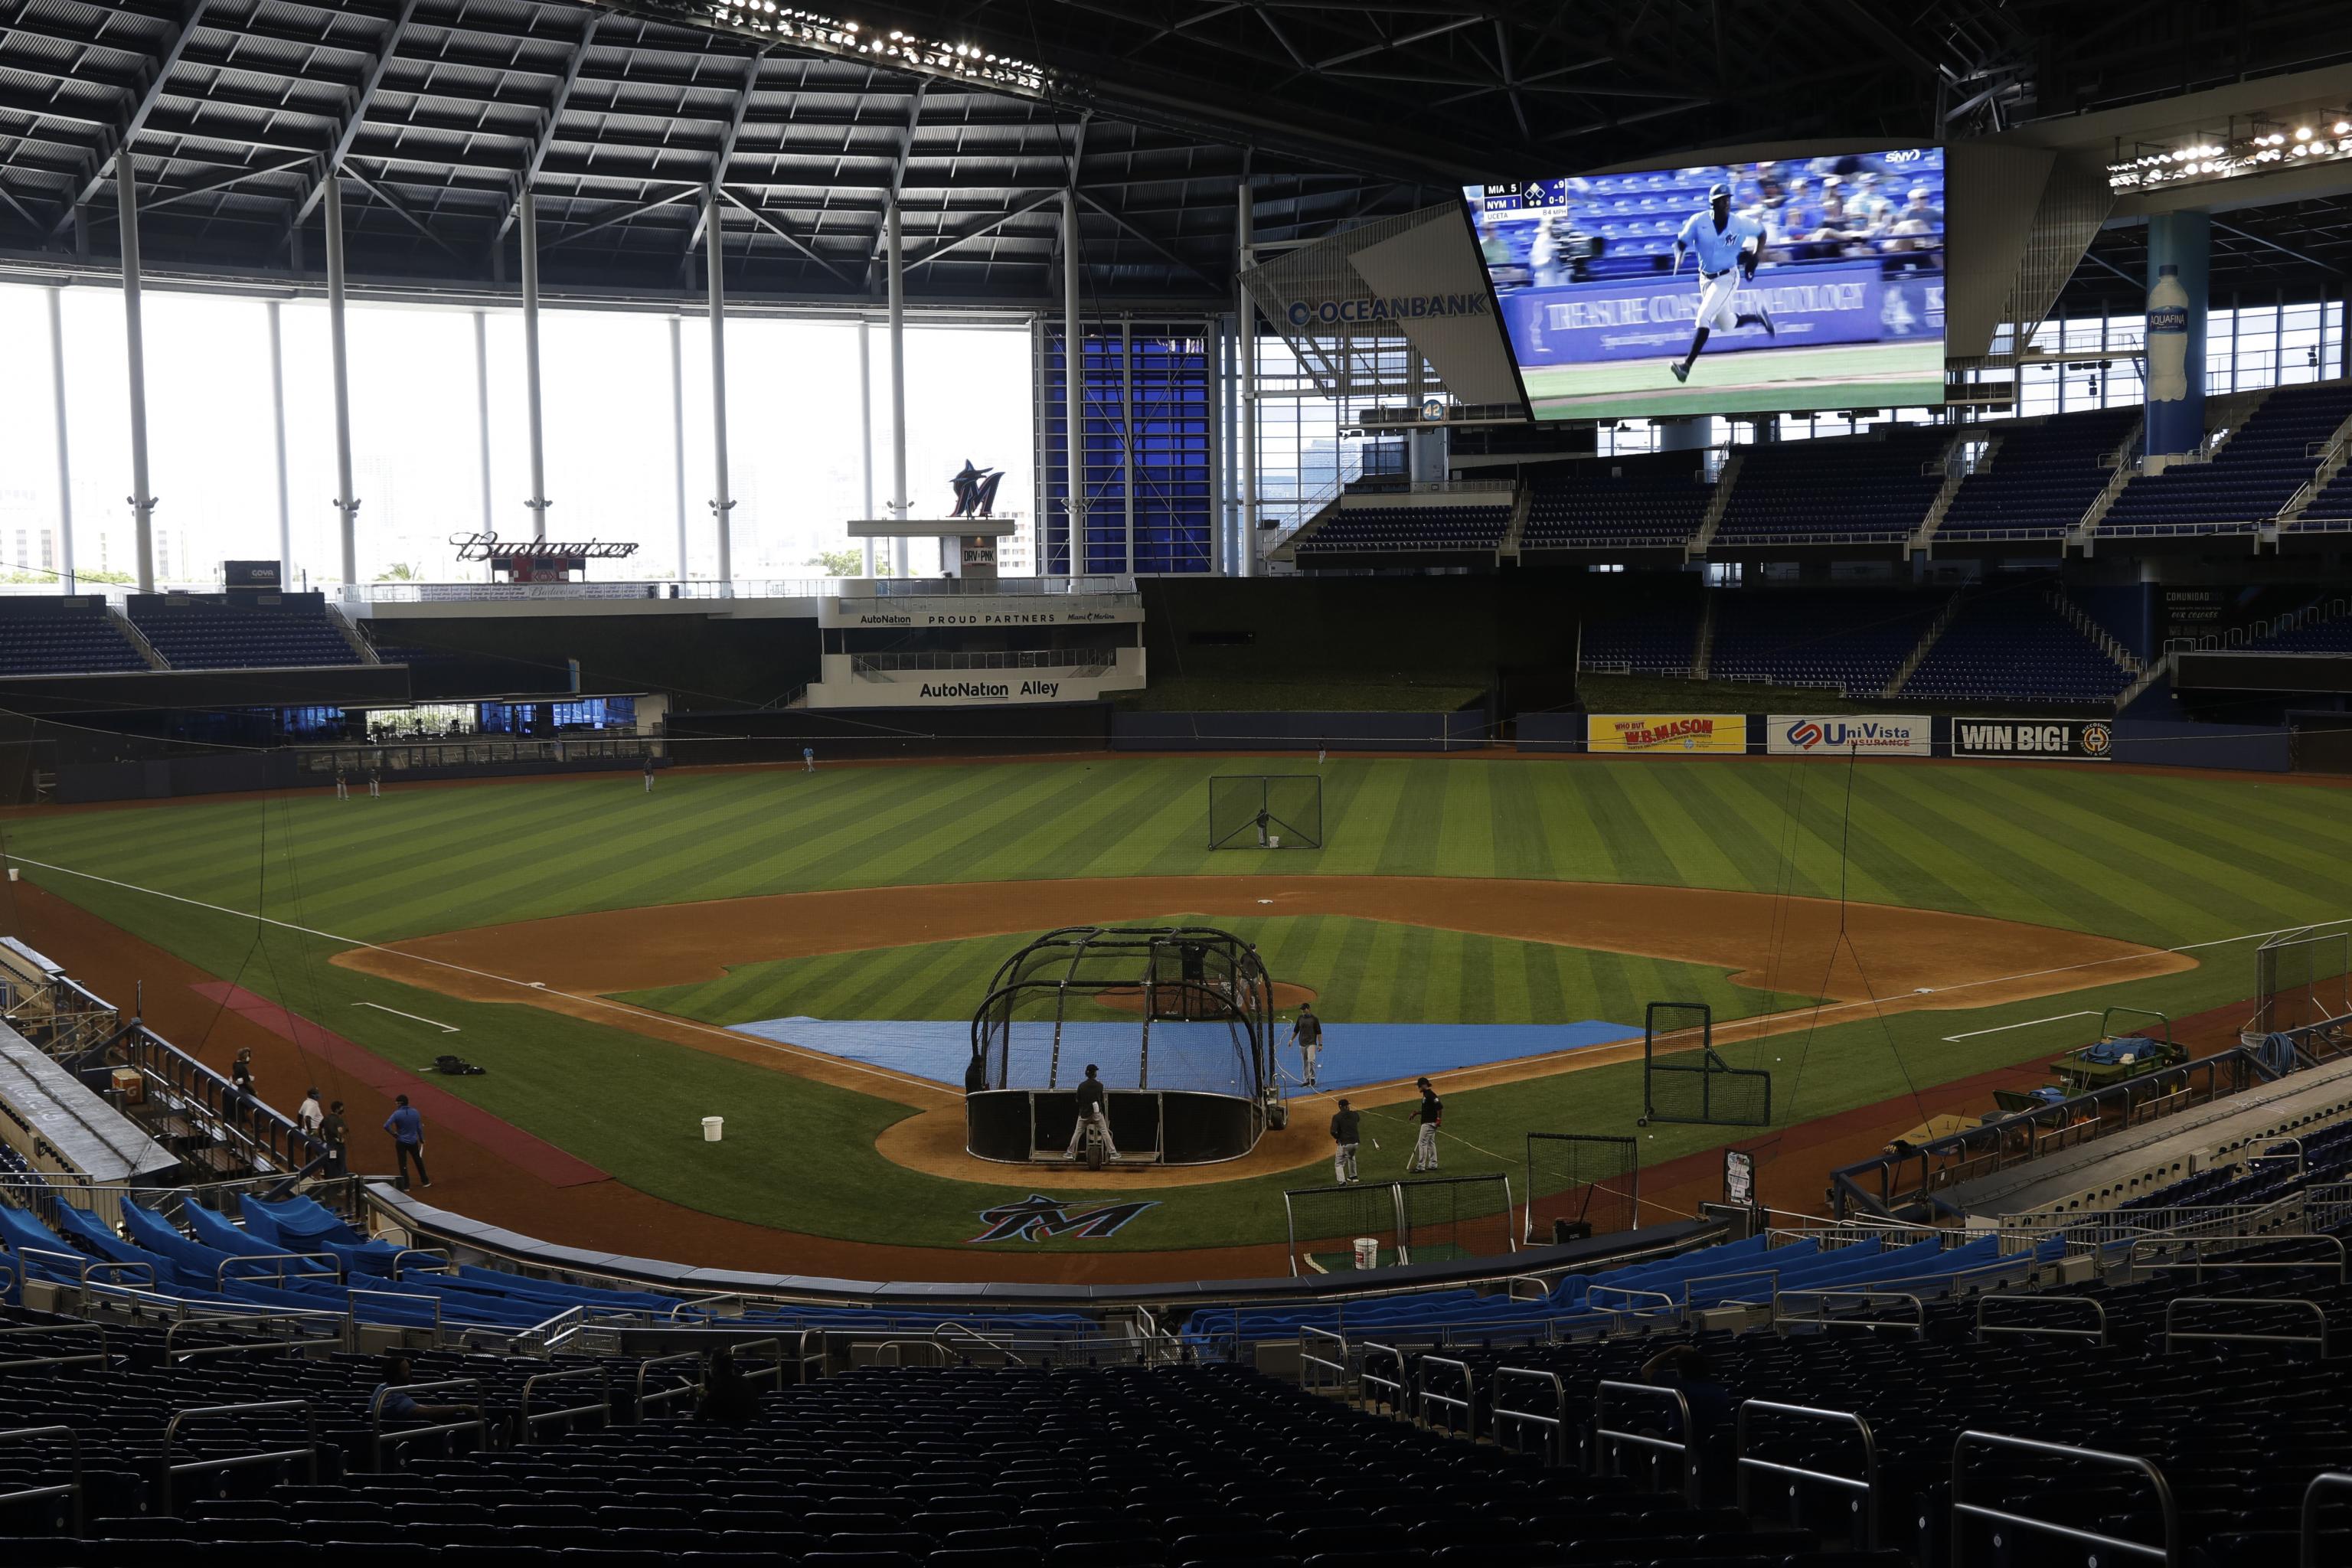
{"x":1304,"y":313}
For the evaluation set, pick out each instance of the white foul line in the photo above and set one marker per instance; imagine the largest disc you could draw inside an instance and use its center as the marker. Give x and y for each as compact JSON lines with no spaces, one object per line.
{"x":445,"y":1028}
{"x":1997,"y":1028}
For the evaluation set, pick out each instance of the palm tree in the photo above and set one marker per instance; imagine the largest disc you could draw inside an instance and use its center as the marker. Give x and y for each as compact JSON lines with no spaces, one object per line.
{"x":398,"y":572}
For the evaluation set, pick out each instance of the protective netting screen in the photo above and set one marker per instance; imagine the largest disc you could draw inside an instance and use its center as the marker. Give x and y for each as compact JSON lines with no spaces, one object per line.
{"x":1446,"y":1217}
{"x":1266,"y":811}
{"x":2301,"y":979}
{"x":1682,"y":1078}
{"x":1327,"y":1222}
{"x":1579,"y":1184}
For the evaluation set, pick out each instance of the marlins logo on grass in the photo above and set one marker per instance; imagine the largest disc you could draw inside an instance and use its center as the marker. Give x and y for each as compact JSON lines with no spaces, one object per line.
{"x":1038,"y":1217}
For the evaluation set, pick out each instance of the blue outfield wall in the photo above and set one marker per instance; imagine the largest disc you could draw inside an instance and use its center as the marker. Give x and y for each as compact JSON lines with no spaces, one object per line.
{"x":2250,"y":748}
{"x":1297,"y":731}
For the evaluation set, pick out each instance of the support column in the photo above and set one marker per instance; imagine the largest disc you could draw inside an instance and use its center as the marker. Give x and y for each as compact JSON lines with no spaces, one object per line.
{"x":722,"y":504}
{"x":896,"y":272}
{"x":347,"y":506}
{"x":482,"y":409}
{"x":2178,"y":248}
{"x":65,"y":445}
{"x":1246,"y":349}
{"x":142,"y":499}
{"x":1688,"y":435}
{"x":678,"y":431}
{"x":527,"y":233}
{"x":277,"y":422}
{"x":865,"y":432}
{"x":1220,"y":464}
{"x":1074,"y":374}
{"x":1127,"y":429}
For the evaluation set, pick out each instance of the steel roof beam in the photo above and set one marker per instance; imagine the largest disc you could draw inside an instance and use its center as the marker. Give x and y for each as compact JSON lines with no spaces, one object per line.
{"x":547,"y":127}
{"x":144,"y":105}
{"x":378,"y":65}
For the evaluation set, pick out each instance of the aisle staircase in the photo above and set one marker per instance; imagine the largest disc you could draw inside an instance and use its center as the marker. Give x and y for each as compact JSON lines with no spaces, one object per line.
{"x":2125,"y":470}
{"x":1723,"y":481}
{"x":1957,"y":471}
{"x":1936,"y":630}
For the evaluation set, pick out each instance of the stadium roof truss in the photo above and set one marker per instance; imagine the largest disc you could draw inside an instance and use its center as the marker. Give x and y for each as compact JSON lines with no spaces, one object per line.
{"x":634,"y":120}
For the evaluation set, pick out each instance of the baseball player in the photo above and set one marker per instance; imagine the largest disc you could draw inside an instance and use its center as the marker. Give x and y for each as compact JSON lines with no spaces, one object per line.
{"x":1430,"y":1113}
{"x":1728,"y":249}
{"x":1346,"y":1131}
{"x":1093,"y":1111}
{"x":808,"y":758}
{"x":1307,"y":1035}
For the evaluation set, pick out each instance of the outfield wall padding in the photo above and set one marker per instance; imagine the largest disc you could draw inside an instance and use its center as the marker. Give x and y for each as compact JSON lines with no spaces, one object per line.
{"x":1301,"y":732}
{"x":2248,"y":748}
{"x":838,"y":735}
{"x":1551,"y":732}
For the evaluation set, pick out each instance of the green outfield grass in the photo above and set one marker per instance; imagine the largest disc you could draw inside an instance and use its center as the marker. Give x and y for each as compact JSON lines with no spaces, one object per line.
{"x":1745,"y":381}
{"x":2164,"y":860}
{"x":1362,"y":972}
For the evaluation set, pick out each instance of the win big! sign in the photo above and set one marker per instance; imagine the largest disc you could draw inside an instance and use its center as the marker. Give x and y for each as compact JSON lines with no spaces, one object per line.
{"x":2050,"y":739}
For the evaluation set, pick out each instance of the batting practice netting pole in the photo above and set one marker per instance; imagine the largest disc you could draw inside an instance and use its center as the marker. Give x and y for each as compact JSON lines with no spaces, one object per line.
{"x":1433,"y":1220}
{"x":1579,"y":1186}
{"x":1683,"y":1081}
{"x":2300,"y":979}
{"x":1266,"y":811}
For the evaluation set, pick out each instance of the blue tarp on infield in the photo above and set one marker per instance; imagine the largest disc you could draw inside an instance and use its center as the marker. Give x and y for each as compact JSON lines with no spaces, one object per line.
{"x":1188,"y":1056}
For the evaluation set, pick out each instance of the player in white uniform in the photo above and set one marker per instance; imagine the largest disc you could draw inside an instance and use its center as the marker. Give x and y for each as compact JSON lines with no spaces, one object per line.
{"x":1726,"y":247}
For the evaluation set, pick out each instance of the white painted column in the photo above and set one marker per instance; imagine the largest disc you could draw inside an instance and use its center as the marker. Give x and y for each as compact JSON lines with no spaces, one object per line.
{"x":482,"y":410}
{"x":722,"y":504}
{"x":894,"y":271}
{"x":527,"y":233}
{"x":678,"y":431}
{"x":65,"y":445}
{"x":866,"y":432}
{"x":277,"y":422}
{"x":347,"y":506}
{"x":1073,"y":371}
{"x":1245,"y":441}
{"x":142,"y":499}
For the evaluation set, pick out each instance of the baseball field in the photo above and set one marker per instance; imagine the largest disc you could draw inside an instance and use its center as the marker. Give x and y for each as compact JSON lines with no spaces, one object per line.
{"x":1909,"y":372}
{"x":1898,"y":937}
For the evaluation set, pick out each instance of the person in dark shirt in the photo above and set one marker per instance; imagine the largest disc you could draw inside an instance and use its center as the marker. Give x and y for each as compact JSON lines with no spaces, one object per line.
{"x":390,"y":1401}
{"x":240,"y":1074}
{"x":1309,"y":1032}
{"x":1686,"y":1368}
{"x":649,"y":772}
{"x":1346,"y":1131}
{"x":1093,"y":1102}
{"x":407,"y":1130}
{"x":975,"y":1073}
{"x":728,"y":1397}
{"x":1430,"y":1113}
{"x":337,"y":1133}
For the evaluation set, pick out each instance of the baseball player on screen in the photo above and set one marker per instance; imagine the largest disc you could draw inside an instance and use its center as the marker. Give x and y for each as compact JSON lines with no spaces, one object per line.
{"x":1726,"y":247}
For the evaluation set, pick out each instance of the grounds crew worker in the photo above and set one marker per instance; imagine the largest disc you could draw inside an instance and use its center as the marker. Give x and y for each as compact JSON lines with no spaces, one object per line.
{"x":1093,"y":1099}
{"x":1309,"y":1032}
{"x":1429,"y":1114}
{"x":1347,"y":1128}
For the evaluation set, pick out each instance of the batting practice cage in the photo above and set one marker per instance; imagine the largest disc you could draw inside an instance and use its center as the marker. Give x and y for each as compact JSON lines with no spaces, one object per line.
{"x":2302,"y":979}
{"x":1266,"y":811}
{"x":1581,"y":1186}
{"x":1179,"y":1019}
{"x":1683,"y":1079}
{"x":1377,"y":1224}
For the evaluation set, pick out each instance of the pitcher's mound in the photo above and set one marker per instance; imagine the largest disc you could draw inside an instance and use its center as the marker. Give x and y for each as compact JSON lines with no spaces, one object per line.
{"x":1287,"y":998}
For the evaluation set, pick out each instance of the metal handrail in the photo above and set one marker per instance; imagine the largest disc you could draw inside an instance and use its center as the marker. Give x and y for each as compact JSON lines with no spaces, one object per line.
{"x":71,"y":1489}
{"x":603,"y":1406}
{"x":165,"y":1470}
{"x":1307,"y":1332}
{"x":1466,"y":1404}
{"x":1511,"y":1283}
{"x":305,"y":1341}
{"x":2198,"y":1244}
{"x":1867,"y":1485}
{"x":704,"y":1301}
{"x":1917,"y":1323}
{"x":775,"y":1367}
{"x":1003,"y":1348}
{"x":2174,"y":1305}
{"x":2307,"y":1527}
{"x":1627,"y":1291}
{"x":220,"y":1274}
{"x":2098,"y":1309}
{"x":1556,"y":1444}
{"x":1690,"y":1287}
{"x":84,"y":1266}
{"x":1395,"y":1386}
{"x":448,"y":1264}
{"x":2168,"y":1553}
{"x":29,"y":1330}
{"x":478,"y":1425}
{"x":1604,"y":1435}
{"x":638,"y":1400}
{"x":355,"y":1297}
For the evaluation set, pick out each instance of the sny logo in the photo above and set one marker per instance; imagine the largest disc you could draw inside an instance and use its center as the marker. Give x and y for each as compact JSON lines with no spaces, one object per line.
{"x":1038,"y":1217}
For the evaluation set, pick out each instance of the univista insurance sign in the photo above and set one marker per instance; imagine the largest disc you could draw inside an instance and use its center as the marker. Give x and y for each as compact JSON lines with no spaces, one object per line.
{"x":1684,"y":732}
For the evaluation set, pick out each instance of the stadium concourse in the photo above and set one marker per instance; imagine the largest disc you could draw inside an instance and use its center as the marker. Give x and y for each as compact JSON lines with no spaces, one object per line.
{"x":1610,"y":836}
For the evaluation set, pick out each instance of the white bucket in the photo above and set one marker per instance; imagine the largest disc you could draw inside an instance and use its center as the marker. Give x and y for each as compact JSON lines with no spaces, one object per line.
{"x":1273,"y":843}
{"x":711,"y":1126}
{"x":1368,"y":1252}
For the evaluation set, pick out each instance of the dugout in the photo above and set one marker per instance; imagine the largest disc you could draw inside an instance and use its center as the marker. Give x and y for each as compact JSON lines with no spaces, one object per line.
{"x":1180,"y":1020}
